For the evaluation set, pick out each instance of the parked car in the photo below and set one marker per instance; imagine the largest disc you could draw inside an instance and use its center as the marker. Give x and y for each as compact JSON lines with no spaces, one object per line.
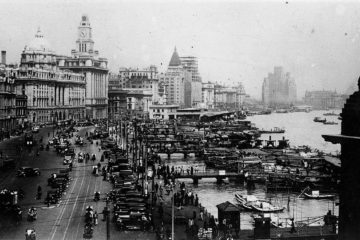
{"x":67,"y":159}
{"x":28,"y":172}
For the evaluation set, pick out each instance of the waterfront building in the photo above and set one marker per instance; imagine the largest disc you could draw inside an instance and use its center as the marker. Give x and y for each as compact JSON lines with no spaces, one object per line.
{"x":85,"y":60}
{"x":133,"y":91}
{"x":52,"y":94}
{"x":229,"y":98}
{"x":193,"y":86}
{"x":278,"y":89}
{"x":320,"y":100}
{"x":8,"y":118}
{"x":162,"y":111}
{"x":174,"y":81}
{"x":208,"y":95}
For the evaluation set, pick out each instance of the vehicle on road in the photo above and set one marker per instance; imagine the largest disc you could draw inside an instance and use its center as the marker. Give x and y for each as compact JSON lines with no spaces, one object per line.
{"x":30,"y":234}
{"x":35,"y":129}
{"x":67,"y":159}
{"x":28,"y":172}
{"x":32,"y":214}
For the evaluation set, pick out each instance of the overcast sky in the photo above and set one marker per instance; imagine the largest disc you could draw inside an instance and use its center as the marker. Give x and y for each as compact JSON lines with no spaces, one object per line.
{"x":318,"y":43}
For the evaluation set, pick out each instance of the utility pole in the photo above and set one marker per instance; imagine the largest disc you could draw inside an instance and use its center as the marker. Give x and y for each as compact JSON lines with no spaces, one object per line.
{"x":172,"y":217}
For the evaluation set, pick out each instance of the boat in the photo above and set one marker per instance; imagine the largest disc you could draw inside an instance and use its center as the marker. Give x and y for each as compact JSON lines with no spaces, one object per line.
{"x":275,"y":130}
{"x":330,"y":114}
{"x":266,"y":207}
{"x":252,"y":203}
{"x":245,"y":200}
{"x":319,"y":119}
{"x":330,"y":123}
{"x":281,"y":111}
{"x":317,"y":195}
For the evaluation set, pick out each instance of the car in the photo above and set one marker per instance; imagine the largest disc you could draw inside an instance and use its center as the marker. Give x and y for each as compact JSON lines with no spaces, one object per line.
{"x":28,"y":172}
{"x":67,"y":159}
{"x":35,"y":129}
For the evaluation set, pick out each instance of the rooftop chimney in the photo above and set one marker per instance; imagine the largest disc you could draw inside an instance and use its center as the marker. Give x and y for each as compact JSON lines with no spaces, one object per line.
{"x":3,"y":57}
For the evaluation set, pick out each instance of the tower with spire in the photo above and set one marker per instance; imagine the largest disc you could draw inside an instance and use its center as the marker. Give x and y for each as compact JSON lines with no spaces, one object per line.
{"x":86,"y":60}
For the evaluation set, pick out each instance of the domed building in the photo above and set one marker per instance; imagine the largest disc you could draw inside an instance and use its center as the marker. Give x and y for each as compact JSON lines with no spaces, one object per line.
{"x":53,"y":94}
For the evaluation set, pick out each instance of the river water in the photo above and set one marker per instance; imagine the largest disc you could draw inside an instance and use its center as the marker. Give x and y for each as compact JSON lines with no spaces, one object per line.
{"x":300,"y":130}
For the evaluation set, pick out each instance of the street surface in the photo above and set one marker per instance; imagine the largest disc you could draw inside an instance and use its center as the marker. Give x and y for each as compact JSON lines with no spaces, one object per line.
{"x":66,"y":220}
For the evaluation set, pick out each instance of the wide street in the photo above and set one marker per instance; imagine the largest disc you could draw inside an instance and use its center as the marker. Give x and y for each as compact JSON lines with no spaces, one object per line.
{"x":66,"y":220}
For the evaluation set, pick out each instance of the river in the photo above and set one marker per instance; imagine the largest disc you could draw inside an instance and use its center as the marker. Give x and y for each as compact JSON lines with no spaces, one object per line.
{"x":300,"y":129}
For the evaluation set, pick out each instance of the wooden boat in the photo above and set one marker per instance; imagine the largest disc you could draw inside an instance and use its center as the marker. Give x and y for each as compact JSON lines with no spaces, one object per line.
{"x":317,"y":195}
{"x":252,"y":203}
{"x":330,"y":114}
{"x":267,"y":208}
{"x":245,"y":200}
{"x":319,"y":119}
{"x":330,"y":123}
{"x":275,"y":130}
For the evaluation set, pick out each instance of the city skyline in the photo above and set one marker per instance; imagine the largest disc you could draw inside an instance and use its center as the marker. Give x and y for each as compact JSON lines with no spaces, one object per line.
{"x":317,"y":43}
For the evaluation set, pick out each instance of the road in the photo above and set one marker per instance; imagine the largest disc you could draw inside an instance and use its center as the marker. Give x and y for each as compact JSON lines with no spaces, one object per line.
{"x":66,"y":220}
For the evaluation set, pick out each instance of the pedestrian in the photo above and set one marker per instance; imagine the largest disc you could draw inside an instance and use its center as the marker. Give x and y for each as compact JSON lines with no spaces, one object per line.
{"x":95,"y":218}
{"x":105,"y":212}
{"x":156,"y":187}
{"x":196,"y":200}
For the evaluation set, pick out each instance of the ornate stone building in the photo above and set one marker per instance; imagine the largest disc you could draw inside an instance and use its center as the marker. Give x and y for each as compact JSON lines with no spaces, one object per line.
{"x":8,"y":119}
{"x":132,"y":91}
{"x":324,"y":99}
{"x":52,"y":94}
{"x":85,"y":60}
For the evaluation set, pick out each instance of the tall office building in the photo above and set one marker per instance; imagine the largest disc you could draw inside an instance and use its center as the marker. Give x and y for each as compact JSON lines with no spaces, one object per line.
{"x":174,"y":81}
{"x":279,"y":89}
{"x":193,"y":89}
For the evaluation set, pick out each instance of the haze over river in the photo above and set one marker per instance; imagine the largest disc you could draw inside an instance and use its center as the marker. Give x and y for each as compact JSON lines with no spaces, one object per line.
{"x":300,"y":129}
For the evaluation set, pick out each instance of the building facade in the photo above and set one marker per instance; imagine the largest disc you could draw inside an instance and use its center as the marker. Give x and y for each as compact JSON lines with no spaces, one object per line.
{"x":229,"y":98}
{"x":174,"y":81}
{"x":193,"y":95}
{"x":52,"y":94}
{"x":85,"y":60}
{"x":279,"y":89}
{"x":162,"y":111}
{"x":208,"y":95}
{"x":132,"y":91}
{"x":8,"y":119}
{"x":320,"y":100}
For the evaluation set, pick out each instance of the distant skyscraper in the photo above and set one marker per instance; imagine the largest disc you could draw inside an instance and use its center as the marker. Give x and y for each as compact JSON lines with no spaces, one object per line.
{"x":174,"y":80}
{"x":278,"y":89}
{"x":193,"y":88}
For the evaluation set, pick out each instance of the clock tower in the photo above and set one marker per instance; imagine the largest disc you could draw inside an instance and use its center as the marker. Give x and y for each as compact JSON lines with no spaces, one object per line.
{"x":84,"y":43}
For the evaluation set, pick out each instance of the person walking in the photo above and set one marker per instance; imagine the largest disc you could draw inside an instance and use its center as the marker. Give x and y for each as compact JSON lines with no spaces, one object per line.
{"x":96,"y":218}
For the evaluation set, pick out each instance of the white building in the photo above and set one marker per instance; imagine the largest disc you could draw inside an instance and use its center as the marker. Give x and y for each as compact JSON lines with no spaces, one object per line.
{"x":52,"y":94}
{"x":162,"y":111}
{"x":208,"y":95}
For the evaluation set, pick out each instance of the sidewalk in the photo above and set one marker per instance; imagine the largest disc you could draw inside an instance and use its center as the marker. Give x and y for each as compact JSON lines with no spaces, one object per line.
{"x":182,"y":215}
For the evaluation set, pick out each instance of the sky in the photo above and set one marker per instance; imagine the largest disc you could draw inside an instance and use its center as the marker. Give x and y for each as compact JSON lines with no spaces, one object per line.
{"x":235,"y":41}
